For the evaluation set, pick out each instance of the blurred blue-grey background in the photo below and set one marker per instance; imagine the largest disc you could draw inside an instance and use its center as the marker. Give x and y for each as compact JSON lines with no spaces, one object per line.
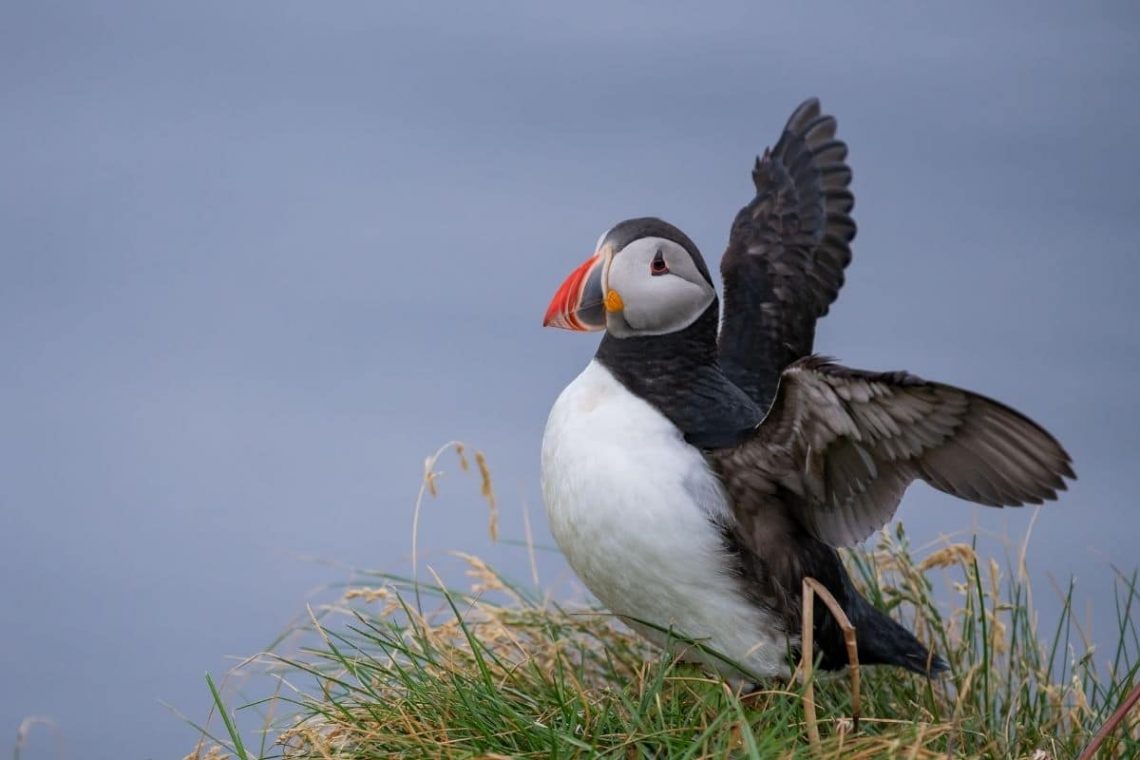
{"x":257,"y":260}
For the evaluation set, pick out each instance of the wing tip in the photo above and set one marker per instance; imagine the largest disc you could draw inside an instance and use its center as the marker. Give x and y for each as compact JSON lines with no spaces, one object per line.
{"x":808,"y":110}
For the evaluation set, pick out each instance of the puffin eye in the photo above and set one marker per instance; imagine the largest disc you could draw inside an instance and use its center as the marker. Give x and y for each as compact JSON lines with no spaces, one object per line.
{"x":658,"y":266}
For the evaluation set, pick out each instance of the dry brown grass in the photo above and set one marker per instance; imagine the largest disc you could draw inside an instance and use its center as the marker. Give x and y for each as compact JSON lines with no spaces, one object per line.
{"x":491,"y":672}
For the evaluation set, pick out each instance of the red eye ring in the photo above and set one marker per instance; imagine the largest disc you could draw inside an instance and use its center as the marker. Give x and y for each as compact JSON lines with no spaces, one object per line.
{"x":658,"y":265}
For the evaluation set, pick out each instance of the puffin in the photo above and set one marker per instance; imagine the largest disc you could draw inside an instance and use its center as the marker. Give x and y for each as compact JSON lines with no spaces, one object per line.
{"x":704,"y":464}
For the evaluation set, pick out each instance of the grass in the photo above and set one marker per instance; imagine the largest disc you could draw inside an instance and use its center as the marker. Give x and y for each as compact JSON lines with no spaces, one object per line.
{"x":415,"y":669}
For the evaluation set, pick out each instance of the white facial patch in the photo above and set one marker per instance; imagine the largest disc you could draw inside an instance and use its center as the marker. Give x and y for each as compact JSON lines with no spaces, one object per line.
{"x":656,"y":303}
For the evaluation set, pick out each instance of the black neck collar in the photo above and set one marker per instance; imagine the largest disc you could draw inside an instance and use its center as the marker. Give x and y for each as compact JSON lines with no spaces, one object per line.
{"x":678,"y":374}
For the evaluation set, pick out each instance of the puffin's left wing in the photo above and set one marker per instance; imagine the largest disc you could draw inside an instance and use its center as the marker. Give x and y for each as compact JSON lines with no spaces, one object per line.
{"x":839,"y":447}
{"x":786,"y":253}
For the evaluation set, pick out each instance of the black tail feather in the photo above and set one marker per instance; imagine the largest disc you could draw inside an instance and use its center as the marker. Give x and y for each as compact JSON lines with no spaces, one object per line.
{"x":882,"y":641}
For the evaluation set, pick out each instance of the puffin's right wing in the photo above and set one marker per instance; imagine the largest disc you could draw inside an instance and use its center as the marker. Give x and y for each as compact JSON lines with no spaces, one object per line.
{"x":786,"y":253}
{"x":839,"y":447}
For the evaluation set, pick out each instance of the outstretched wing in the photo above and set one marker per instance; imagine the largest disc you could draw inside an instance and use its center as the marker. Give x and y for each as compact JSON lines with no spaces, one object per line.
{"x":786,"y":253}
{"x":839,"y":447}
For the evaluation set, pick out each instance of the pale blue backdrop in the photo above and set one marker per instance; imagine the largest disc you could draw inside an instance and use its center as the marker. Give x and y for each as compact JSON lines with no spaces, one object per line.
{"x":258,"y":259}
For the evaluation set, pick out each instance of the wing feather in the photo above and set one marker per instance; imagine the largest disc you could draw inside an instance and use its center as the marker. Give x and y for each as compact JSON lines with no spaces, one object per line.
{"x":839,"y":447}
{"x":786,"y":252}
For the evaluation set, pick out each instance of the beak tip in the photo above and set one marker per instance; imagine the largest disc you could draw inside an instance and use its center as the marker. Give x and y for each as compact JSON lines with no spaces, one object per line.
{"x":555,"y":321}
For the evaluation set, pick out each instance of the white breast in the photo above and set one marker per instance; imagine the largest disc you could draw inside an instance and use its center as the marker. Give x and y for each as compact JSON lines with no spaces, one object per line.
{"x":632,"y":505}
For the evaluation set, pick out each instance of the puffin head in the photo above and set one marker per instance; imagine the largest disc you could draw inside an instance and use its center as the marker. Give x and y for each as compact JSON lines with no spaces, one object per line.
{"x":646,"y":277}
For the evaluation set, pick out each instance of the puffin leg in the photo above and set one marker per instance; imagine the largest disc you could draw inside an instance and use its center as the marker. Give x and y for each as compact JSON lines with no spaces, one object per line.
{"x":811,"y":589}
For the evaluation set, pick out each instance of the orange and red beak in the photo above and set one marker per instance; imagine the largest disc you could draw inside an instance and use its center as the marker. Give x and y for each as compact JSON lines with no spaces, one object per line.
{"x":578,"y":304}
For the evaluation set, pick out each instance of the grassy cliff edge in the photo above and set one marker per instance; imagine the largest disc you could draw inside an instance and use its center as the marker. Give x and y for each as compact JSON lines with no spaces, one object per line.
{"x":399,"y":668}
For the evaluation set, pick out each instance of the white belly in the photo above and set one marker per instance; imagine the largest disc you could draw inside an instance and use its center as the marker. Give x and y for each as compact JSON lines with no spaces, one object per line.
{"x":631,"y":506}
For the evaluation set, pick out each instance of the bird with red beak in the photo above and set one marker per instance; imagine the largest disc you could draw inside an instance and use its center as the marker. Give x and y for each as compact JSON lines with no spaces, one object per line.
{"x":703,"y":465}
